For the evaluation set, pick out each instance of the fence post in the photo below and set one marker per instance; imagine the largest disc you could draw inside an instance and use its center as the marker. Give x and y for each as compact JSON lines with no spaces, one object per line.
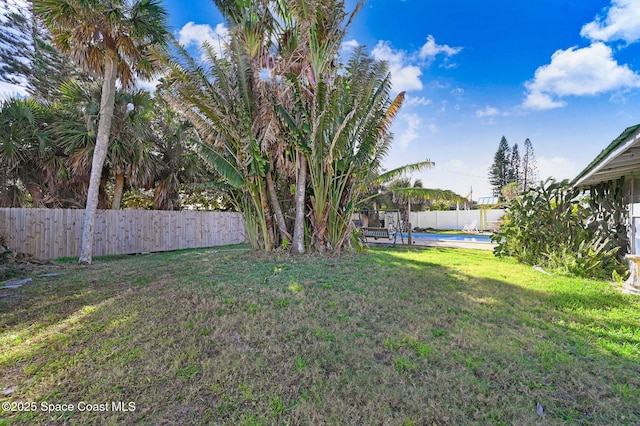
{"x":55,"y":233}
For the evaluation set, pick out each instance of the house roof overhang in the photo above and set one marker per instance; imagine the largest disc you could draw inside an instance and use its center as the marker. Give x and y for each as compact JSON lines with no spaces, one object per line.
{"x":620,"y":158}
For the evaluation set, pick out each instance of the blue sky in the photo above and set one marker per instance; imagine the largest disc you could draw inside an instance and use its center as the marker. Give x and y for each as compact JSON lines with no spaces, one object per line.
{"x":563,"y":73}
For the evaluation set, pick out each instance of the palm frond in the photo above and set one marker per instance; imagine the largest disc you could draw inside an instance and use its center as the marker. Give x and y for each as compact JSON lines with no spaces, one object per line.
{"x":127,"y":30}
{"x":427,"y":194}
{"x":226,"y":169}
{"x":403,"y":170}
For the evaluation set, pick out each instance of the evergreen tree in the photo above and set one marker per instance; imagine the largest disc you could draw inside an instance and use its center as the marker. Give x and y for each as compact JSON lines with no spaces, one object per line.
{"x":16,"y":48}
{"x":49,"y":68}
{"x":514,"y":167}
{"x":27,"y":58}
{"x":499,"y":172}
{"x":529,"y":168}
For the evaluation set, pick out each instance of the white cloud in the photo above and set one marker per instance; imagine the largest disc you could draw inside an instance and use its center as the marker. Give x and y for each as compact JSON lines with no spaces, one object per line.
{"x":193,"y":35}
{"x":622,"y":22}
{"x":349,"y":45}
{"x":431,"y":49}
{"x":541,"y":101}
{"x":404,"y":77}
{"x":421,"y":101}
{"x":458,"y":93}
{"x":578,"y":72}
{"x":488,"y":111}
{"x":410,"y":131}
{"x":437,"y":85}
{"x":149,"y":85}
{"x":406,"y":67}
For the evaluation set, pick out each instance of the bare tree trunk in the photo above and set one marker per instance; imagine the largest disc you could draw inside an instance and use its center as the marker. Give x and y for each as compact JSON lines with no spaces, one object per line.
{"x":277,"y":211}
{"x":118,"y":189}
{"x":298,"y":246}
{"x":99,"y":155}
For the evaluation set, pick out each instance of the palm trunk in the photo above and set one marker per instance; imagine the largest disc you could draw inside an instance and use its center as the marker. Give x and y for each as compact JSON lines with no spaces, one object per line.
{"x":270,"y":235}
{"x":99,"y":155}
{"x":277,"y":211}
{"x":36,"y":193}
{"x":104,"y":202}
{"x":319,"y":216}
{"x":118,"y":189}
{"x":298,"y":246}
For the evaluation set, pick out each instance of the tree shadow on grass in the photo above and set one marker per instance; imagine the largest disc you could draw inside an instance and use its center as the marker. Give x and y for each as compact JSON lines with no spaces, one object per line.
{"x":420,"y":339}
{"x":574,"y":347}
{"x":587,"y":302}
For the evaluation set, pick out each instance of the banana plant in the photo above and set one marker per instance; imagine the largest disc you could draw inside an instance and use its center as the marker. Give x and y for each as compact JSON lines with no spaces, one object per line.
{"x":220,"y":103}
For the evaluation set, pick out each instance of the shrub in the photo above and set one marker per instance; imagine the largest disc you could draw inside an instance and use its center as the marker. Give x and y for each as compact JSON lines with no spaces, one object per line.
{"x":4,"y":250}
{"x":551,"y":226}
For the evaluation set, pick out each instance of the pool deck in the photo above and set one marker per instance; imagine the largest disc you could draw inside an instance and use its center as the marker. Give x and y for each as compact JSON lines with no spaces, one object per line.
{"x":423,"y":242}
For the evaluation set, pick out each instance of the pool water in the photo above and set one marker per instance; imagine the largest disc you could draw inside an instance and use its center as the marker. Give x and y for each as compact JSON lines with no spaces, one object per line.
{"x":449,"y":237}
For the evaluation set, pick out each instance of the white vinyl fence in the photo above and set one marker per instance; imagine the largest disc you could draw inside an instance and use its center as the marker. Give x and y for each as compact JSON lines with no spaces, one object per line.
{"x":55,"y":233}
{"x":450,"y":219}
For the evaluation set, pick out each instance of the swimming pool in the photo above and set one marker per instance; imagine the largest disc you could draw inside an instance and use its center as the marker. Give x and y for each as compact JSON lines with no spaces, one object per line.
{"x":449,"y":237}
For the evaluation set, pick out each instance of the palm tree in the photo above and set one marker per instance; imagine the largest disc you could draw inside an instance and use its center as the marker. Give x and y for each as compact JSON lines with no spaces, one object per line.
{"x":348,"y":118}
{"x":113,"y":39}
{"x":230,"y":105}
{"x":173,"y":140}
{"x":25,"y":141}
{"x":295,"y":43}
{"x":394,"y":190}
{"x":221,"y":105}
{"x":328,"y":125}
{"x":404,"y":192}
{"x":296,"y":134}
{"x":34,"y":151}
{"x":129,"y":157}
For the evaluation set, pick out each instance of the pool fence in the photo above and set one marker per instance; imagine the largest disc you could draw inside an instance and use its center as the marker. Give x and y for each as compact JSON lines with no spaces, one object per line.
{"x":486,"y":220}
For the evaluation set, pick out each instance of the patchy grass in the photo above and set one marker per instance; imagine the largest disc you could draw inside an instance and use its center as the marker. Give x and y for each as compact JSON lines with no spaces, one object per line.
{"x":433,"y":336}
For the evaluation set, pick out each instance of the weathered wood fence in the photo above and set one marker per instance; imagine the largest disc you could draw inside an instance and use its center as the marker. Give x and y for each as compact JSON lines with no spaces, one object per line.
{"x":55,"y":233}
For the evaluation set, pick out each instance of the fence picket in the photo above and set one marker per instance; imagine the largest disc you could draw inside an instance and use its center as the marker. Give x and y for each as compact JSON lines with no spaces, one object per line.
{"x":55,"y":233}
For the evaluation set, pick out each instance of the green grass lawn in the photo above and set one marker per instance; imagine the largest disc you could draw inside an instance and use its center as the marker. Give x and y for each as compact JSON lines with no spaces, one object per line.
{"x":398,"y":337}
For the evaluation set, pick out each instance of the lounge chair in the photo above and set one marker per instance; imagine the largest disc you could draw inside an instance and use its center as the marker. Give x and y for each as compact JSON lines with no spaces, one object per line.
{"x":471,"y":227}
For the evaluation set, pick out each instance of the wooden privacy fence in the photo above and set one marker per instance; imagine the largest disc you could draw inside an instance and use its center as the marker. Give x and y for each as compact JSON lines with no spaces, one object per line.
{"x":55,"y":233}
